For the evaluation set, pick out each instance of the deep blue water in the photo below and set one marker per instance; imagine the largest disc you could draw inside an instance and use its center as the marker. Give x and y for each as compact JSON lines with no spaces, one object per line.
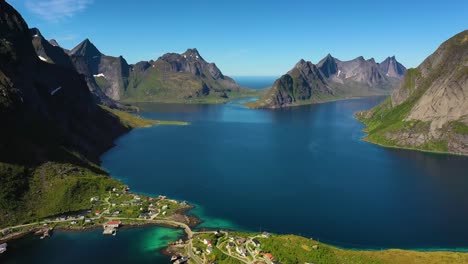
{"x":255,"y":82}
{"x":303,"y":170}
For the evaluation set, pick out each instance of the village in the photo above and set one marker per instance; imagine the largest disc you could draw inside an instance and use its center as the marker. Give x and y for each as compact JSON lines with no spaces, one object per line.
{"x":223,"y":247}
{"x":118,"y":208}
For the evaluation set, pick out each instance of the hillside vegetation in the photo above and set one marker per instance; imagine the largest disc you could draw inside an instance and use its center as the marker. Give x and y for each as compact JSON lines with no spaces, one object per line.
{"x":429,"y":111}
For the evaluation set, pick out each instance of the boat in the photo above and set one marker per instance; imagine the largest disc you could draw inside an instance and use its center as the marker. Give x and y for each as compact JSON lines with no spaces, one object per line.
{"x":3,"y":248}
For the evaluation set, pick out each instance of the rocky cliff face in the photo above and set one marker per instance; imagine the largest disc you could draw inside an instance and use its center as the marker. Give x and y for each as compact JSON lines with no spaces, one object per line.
{"x":36,"y":92}
{"x":333,"y":79}
{"x":49,"y":121}
{"x":111,"y":73}
{"x":178,"y":77}
{"x":430,"y":109}
{"x":48,"y":52}
{"x":51,"y":52}
{"x":392,"y":68}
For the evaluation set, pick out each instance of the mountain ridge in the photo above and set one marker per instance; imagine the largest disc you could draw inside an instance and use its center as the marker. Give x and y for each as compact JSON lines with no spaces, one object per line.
{"x":332,"y":79}
{"x":429,"y":111}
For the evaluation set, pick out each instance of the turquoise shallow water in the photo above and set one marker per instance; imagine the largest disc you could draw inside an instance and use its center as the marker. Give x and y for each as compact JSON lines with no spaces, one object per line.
{"x":140,"y":245}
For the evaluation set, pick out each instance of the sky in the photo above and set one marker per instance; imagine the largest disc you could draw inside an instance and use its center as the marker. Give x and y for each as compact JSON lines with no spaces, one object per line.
{"x":252,"y":37}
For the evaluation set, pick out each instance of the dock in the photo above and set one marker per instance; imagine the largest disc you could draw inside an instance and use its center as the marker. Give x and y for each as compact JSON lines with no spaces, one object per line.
{"x":111,"y":228}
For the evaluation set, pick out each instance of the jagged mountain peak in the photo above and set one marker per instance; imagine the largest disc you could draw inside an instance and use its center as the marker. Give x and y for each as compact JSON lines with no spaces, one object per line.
{"x":301,"y":63}
{"x":54,"y":42}
{"x":328,"y":65}
{"x":35,"y":32}
{"x":192,"y":54}
{"x":85,"y":48}
{"x":392,"y":68}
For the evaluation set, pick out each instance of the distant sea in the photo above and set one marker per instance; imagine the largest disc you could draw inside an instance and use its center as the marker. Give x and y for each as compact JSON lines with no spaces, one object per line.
{"x":255,"y":82}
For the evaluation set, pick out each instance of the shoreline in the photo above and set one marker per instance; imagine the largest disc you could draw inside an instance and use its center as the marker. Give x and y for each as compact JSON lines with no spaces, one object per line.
{"x":311,"y":103}
{"x":193,"y":221}
{"x":366,"y":139}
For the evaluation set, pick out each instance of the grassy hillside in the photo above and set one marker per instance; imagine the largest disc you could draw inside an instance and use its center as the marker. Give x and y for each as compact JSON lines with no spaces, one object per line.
{"x":441,"y":74}
{"x":157,"y":85}
{"x":133,"y":121}
{"x":294,"y":249}
{"x":64,"y":182}
{"x":32,"y":193}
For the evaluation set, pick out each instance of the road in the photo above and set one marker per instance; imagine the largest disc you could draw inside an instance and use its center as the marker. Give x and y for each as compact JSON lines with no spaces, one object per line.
{"x":167,"y":222}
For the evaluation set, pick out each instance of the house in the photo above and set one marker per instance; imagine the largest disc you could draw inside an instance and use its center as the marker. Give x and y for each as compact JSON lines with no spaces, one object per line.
{"x":269,"y":256}
{"x":114,"y":224}
{"x":266,"y":235}
{"x":87,"y":221}
{"x":256,"y":242}
{"x":230,"y":245}
{"x":241,"y":240}
{"x":209,"y":249}
{"x":162,"y":197}
{"x":242,"y":251}
{"x":165,"y":207}
{"x":94,"y":199}
{"x":205,"y":241}
{"x":114,"y":189}
{"x":197,"y":251}
{"x":74,"y":222}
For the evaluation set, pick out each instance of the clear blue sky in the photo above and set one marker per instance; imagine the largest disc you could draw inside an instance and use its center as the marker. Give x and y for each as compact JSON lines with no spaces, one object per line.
{"x":249,"y":37}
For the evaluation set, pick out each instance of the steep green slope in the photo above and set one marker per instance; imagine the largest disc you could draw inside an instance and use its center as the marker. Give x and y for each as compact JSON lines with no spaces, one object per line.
{"x":52,"y":131}
{"x":429,"y":111}
{"x":181,"y":78}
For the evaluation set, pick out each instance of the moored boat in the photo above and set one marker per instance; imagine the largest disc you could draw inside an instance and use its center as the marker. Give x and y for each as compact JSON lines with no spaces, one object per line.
{"x":3,"y":248}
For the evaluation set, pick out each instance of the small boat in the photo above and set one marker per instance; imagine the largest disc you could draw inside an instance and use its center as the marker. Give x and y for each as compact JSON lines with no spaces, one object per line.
{"x":3,"y":248}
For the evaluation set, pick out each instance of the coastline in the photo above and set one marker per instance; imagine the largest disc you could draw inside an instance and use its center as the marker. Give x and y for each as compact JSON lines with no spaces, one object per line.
{"x":193,"y":221}
{"x":249,"y":105}
{"x":365,"y":138}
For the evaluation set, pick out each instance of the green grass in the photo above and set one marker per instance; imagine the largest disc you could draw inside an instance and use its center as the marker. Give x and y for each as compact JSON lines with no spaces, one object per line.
{"x":133,"y":121}
{"x":159,"y":85}
{"x":459,"y":128}
{"x":101,"y":82}
{"x":295,"y":249}
{"x":386,"y":119}
{"x":48,"y":190}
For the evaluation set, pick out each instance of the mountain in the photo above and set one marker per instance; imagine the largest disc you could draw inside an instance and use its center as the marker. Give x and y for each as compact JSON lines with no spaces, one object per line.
{"x":185,"y":77}
{"x":429,"y":111}
{"x":333,"y":79}
{"x":109,"y":73}
{"x":52,"y":130}
{"x":392,"y":68}
{"x":51,"y":52}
